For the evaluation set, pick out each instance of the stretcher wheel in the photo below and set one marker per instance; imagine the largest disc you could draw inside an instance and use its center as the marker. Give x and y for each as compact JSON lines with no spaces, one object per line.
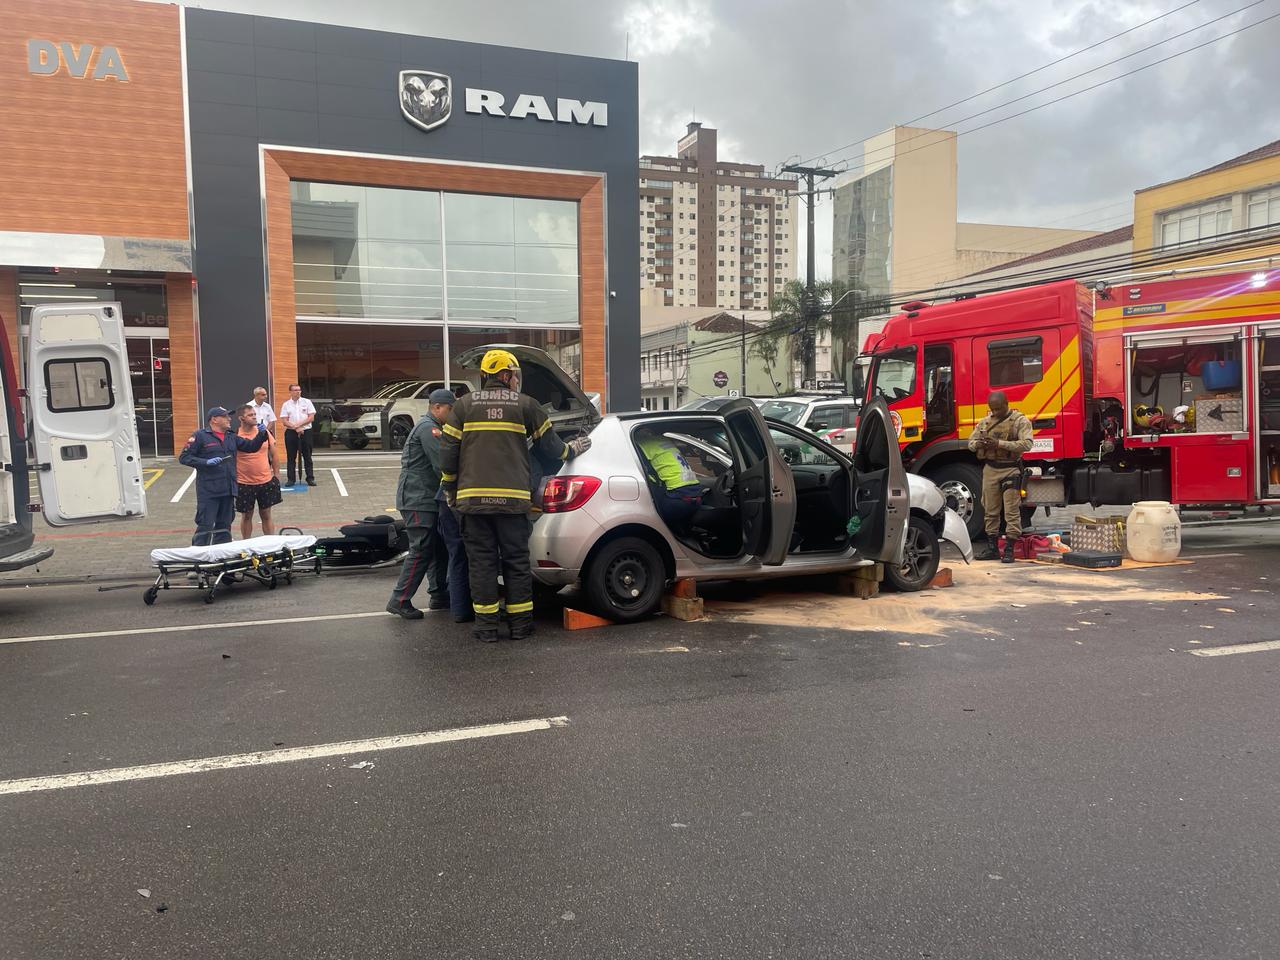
{"x":271,"y":584}
{"x":149,"y":595}
{"x":208,"y":596}
{"x":288,"y":577}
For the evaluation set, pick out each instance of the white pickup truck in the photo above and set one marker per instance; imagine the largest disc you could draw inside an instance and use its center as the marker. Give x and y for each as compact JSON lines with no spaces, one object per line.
{"x":83,"y":445}
{"x":358,"y":423}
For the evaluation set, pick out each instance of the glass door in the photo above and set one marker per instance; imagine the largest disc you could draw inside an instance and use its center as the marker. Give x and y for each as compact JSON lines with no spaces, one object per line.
{"x":152,"y":396}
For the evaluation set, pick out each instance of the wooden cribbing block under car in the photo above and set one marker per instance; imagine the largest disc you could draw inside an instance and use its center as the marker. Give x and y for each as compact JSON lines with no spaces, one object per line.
{"x":863,"y":582}
{"x":681,"y":602}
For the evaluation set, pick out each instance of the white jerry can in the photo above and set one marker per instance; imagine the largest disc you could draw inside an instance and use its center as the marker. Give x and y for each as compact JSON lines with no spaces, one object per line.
{"x":1153,"y":532}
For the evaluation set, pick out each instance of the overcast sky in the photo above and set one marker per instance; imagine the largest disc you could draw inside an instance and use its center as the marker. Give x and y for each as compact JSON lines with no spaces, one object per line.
{"x":782,"y":79}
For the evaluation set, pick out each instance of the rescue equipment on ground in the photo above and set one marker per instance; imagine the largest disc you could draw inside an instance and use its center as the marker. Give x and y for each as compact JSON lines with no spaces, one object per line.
{"x":1098,"y":533}
{"x":1093,"y":559}
{"x":369,"y":542}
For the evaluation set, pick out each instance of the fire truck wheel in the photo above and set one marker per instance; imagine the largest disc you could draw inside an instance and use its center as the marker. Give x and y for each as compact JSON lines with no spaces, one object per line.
{"x":961,"y":484}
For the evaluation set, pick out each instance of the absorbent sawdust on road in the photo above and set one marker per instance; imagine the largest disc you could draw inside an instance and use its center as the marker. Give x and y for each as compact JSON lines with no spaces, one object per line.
{"x":1028,"y":591}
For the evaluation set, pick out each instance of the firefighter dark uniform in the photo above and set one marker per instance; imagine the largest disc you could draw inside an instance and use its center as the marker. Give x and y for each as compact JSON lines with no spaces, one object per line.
{"x":416,"y":500}
{"x":484,"y":463}
{"x":1002,"y":475}
{"x":214,"y":460}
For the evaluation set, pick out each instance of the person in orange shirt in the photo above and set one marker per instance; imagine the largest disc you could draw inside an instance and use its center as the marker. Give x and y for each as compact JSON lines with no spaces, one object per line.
{"x":256,"y":477}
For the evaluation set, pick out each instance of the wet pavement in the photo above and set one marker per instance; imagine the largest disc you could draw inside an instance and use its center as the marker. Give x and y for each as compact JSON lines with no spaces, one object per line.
{"x":1030,"y":764}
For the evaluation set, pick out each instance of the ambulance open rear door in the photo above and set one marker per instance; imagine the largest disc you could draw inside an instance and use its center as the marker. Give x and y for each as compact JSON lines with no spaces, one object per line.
{"x":82,"y":415}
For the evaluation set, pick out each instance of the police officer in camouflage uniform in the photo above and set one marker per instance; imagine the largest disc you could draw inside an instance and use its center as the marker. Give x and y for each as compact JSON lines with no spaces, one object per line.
{"x":417,"y":503}
{"x":1000,"y":439}
{"x":484,"y":461}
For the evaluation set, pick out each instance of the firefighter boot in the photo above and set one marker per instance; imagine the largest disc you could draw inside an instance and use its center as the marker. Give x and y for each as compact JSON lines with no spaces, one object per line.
{"x":1008,"y":550}
{"x":521,"y":627}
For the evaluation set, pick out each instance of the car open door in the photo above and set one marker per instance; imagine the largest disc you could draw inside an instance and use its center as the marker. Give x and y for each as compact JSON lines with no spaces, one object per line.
{"x":766,"y":490}
{"x":881,"y":496}
{"x":81,"y":405}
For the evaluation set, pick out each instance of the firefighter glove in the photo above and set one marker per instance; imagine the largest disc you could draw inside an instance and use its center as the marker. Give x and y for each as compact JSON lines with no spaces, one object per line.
{"x":579,"y":446}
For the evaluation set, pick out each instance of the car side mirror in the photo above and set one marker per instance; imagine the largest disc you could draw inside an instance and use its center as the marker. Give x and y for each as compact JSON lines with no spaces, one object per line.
{"x":822,"y":425}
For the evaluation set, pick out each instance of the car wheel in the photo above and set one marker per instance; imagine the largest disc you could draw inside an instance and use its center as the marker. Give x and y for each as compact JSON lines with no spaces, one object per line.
{"x":400,"y":433}
{"x":355,"y":441}
{"x":920,"y":558}
{"x":625,"y":580}
{"x":961,"y":485}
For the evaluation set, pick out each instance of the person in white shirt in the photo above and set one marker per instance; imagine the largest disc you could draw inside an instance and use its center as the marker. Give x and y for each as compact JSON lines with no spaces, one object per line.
{"x":261,"y":409}
{"x":297,"y":413}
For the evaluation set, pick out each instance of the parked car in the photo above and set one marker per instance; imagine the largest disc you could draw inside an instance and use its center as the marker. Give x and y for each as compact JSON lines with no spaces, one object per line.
{"x":357,"y":423}
{"x":715,"y":403}
{"x":777,"y":500}
{"x":833,"y":418}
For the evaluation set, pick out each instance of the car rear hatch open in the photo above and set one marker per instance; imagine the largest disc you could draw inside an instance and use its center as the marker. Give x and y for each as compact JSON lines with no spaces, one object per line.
{"x":570,"y":410}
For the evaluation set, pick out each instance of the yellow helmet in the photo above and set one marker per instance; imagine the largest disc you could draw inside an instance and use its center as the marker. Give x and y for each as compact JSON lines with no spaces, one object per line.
{"x":1144,"y":416}
{"x":495,"y":361}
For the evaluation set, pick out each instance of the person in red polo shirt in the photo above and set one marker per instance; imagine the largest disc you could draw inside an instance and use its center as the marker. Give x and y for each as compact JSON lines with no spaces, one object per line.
{"x":256,"y":477}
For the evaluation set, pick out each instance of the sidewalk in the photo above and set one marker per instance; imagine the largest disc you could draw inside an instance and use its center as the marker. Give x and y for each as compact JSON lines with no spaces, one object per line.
{"x":348,"y":487}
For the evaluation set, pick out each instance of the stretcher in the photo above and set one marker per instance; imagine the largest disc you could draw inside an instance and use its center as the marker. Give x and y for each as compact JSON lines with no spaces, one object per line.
{"x":267,"y":560}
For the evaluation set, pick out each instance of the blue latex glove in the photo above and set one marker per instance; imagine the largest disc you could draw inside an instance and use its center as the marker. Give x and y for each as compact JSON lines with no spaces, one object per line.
{"x":214,"y":461}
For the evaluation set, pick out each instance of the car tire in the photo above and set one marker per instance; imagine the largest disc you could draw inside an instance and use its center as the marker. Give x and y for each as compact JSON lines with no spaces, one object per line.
{"x":625,"y":580}
{"x":400,"y":429}
{"x":961,"y":485}
{"x":920,"y":558}
{"x":356,"y":442}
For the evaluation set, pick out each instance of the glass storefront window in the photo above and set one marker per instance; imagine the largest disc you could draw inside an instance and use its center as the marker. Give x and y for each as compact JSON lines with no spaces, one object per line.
{"x":375,"y":254}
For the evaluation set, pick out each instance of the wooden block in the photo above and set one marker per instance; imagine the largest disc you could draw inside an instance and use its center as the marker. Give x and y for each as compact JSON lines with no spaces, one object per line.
{"x":874,"y":572}
{"x":943,"y":578}
{"x":686,"y":588}
{"x":581,"y":620}
{"x":683,"y":608}
{"x":865,"y":589}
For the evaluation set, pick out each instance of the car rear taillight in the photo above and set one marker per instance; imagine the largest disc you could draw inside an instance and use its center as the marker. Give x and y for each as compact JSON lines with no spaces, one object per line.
{"x":562,"y":494}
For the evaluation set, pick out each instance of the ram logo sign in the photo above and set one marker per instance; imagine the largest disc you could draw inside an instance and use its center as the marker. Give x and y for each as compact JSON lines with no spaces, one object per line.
{"x":426,"y":98}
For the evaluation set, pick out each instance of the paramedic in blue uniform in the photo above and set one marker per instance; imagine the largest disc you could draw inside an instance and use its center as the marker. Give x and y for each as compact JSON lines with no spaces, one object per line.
{"x":211,"y":452}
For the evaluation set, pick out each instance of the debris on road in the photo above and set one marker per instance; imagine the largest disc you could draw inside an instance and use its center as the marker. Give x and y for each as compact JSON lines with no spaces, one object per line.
{"x":362,"y":765}
{"x":568,"y":915}
{"x":144,"y":892}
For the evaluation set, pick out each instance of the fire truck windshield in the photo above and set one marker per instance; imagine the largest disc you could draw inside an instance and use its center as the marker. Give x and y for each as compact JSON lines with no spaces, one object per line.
{"x":893,"y":375}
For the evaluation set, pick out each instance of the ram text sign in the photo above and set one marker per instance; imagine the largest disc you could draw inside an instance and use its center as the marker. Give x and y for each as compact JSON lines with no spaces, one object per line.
{"x":426,"y":101}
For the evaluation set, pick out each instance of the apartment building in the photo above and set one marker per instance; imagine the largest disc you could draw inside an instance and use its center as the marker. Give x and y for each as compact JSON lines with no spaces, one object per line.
{"x":713,"y":233}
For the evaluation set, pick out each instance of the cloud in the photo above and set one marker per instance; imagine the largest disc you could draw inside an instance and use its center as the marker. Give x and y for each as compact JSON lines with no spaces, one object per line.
{"x":663,"y":27}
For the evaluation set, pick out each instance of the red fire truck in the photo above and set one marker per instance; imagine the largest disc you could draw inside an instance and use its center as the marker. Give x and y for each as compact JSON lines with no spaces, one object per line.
{"x":1160,"y":390}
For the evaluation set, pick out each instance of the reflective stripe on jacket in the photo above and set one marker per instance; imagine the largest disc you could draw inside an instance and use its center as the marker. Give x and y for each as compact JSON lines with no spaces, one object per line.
{"x":484,"y":453}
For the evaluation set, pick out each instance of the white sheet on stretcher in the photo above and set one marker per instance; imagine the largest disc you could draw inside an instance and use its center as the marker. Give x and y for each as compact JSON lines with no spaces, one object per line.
{"x":234,"y":550}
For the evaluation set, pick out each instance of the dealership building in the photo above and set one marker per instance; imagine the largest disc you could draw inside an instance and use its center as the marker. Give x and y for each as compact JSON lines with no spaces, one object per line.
{"x":274,"y":201}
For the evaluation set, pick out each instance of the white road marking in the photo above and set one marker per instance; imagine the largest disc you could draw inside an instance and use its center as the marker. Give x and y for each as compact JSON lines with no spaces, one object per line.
{"x":337,"y":479}
{"x":186,"y":484}
{"x":1212,"y":556}
{"x":151,"y":771}
{"x":1236,"y":648}
{"x":188,"y":627}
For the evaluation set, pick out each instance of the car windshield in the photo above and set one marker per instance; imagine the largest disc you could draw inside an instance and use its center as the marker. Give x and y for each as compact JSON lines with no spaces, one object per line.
{"x":397,"y":390}
{"x":788,"y":411}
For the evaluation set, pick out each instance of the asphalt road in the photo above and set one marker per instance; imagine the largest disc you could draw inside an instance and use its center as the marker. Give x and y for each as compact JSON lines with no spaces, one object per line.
{"x":1030,"y":765}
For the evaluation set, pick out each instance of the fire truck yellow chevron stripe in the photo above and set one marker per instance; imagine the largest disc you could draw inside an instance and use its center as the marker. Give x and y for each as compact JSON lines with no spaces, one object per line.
{"x":1045,"y":398}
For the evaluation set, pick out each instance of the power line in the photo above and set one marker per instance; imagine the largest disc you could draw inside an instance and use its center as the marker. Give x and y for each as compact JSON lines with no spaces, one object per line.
{"x":1021,"y":76}
{"x":1084,"y":73}
{"x":1244,"y":239}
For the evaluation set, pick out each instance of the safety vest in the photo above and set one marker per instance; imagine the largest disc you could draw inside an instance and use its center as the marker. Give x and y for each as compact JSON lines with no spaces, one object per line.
{"x":667,"y":462}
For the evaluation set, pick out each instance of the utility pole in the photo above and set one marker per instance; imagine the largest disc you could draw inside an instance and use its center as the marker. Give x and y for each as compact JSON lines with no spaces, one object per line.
{"x":742,"y":350}
{"x":812,"y":310}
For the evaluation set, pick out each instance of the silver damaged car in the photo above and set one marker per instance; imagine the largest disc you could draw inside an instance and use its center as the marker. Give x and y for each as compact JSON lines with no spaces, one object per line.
{"x":776,"y":500}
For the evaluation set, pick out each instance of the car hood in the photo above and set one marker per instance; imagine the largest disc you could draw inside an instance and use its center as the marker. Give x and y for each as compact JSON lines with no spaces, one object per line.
{"x":541,"y":378}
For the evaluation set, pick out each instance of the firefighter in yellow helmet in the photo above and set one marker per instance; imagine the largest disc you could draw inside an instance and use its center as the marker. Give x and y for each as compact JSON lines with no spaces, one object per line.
{"x":484,"y":464}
